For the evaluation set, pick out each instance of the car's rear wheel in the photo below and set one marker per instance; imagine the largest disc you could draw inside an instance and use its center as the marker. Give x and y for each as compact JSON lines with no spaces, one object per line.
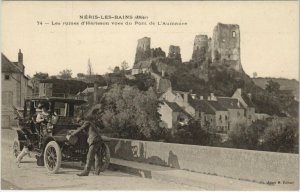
{"x":52,"y":157}
{"x":16,"y":147}
{"x":105,"y":157}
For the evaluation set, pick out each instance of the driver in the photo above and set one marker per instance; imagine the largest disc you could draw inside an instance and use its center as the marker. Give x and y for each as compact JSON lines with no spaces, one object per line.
{"x":94,"y":141}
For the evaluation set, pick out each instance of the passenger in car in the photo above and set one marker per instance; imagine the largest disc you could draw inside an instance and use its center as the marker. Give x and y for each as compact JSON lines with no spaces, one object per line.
{"x":41,"y":117}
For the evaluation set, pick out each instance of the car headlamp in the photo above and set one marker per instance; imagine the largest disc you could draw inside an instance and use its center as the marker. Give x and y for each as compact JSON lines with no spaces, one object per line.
{"x":72,"y":139}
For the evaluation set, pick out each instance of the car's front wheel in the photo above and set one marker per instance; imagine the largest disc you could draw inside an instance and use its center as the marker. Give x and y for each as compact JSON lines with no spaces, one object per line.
{"x":52,"y":157}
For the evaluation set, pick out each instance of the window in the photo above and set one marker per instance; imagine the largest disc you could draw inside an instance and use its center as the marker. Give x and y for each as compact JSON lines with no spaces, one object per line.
{"x":233,"y":34}
{"x":7,"y":98}
{"x":6,"y":77}
{"x":238,"y":114}
{"x":226,"y":117}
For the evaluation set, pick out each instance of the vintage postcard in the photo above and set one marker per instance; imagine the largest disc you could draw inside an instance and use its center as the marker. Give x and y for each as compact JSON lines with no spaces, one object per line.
{"x":150,"y":95}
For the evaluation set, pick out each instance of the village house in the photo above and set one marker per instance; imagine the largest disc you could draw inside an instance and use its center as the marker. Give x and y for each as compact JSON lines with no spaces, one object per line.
{"x":246,"y":102}
{"x":15,"y":88}
{"x":142,"y":67}
{"x":204,"y":113}
{"x":235,"y":110}
{"x":172,"y":114}
{"x":221,"y":116}
{"x":179,"y":97}
{"x":90,"y":95}
{"x":211,"y":114}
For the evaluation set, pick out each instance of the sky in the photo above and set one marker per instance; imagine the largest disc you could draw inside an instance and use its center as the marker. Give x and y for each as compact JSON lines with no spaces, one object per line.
{"x":269,"y":33}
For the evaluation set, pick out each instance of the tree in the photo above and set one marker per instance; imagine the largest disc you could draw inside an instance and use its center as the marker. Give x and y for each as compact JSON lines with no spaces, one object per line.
{"x":89,"y":68}
{"x":37,"y":77}
{"x":80,"y":75}
{"x":124,"y":66}
{"x":65,"y":74}
{"x":244,"y":137}
{"x":130,"y":112}
{"x":40,"y":75}
{"x":272,"y":86}
{"x":116,"y":69}
{"x":282,"y":136}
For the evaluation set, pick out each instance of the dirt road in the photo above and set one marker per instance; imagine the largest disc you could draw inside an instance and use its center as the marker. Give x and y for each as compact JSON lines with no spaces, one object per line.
{"x":30,"y":176}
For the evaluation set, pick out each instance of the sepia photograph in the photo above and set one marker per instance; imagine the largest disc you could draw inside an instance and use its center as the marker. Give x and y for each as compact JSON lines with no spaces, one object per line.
{"x":150,"y":95}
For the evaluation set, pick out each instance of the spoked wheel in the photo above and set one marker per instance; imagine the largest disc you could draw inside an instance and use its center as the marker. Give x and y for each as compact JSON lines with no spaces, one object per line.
{"x":16,"y":148}
{"x":52,"y":157}
{"x":105,"y":157}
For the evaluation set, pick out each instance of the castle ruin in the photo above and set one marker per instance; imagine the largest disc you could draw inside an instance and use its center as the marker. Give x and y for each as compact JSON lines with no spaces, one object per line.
{"x":143,"y":49}
{"x":200,"y":48}
{"x":222,"y":49}
{"x":174,"y":52}
{"x":225,"y":45}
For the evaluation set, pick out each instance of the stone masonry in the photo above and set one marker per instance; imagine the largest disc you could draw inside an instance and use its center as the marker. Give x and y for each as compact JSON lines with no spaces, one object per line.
{"x":143,"y":49}
{"x":226,"y":45}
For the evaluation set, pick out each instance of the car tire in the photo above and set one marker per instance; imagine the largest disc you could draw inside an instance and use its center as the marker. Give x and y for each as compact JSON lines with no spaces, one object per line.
{"x":16,"y":147}
{"x":105,"y":157}
{"x":52,"y":157}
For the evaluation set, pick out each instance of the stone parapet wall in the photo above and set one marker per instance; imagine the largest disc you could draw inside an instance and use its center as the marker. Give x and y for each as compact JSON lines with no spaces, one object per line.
{"x":258,"y":166}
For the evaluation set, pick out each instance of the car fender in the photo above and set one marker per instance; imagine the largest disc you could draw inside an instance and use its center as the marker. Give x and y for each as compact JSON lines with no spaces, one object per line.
{"x":46,"y":141}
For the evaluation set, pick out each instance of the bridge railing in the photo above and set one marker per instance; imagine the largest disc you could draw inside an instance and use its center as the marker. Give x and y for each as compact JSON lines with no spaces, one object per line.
{"x":250,"y":165}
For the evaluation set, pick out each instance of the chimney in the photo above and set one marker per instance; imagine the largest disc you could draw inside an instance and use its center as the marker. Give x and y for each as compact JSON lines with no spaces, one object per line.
{"x":162,"y":73}
{"x":239,"y":91}
{"x":95,"y":92}
{"x":201,"y":97}
{"x":20,"y":61}
{"x":20,"y":57}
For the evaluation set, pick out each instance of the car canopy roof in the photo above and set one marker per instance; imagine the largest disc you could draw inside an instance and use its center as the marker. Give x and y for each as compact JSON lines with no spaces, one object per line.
{"x":58,"y":99}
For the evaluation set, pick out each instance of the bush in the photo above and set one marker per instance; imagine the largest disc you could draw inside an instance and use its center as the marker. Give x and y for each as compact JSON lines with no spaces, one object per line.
{"x":244,"y":137}
{"x":282,"y":136}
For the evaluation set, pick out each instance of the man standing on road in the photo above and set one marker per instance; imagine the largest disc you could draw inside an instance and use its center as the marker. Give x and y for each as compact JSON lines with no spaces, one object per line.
{"x":94,"y":141}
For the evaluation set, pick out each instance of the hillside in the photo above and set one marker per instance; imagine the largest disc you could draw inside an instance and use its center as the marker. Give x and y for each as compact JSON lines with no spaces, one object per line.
{"x":285,"y":84}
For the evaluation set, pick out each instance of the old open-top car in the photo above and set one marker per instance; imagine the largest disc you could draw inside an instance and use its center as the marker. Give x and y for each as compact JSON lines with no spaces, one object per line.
{"x":49,"y":141}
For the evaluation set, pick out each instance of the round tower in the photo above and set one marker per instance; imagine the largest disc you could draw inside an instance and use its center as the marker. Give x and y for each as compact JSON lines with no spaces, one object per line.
{"x":200,"y":47}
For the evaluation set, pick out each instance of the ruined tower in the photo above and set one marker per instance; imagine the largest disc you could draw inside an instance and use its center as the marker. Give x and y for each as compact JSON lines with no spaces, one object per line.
{"x":200,"y":48}
{"x":143,"y":49}
{"x":225,"y":45}
{"x":174,"y":52}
